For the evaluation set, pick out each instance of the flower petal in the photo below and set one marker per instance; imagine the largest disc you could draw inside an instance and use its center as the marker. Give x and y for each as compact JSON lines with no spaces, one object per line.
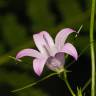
{"x":62,"y":36}
{"x":43,"y":41}
{"x":48,"y":39}
{"x":38,"y":65}
{"x":60,"y":57}
{"x":28,"y":52}
{"x":70,"y":49}
{"x":56,"y":62}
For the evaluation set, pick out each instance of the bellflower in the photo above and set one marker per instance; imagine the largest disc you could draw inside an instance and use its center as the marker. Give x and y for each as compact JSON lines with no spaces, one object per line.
{"x":50,"y":54}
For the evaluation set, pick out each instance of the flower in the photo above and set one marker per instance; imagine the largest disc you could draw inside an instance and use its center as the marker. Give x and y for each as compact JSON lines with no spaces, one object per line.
{"x":50,"y":54}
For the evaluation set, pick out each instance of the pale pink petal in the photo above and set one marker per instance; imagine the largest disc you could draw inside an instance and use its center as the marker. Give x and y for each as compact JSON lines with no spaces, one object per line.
{"x":60,"y":57}
{"x":38,"y":65}
{"x":49,"y":43}
{"x":70,"y":49}
{"x":44,"y":42}
{"x":57,"y":62}
{"x":39,"y":41}
{"x":47,"y":38}
{"x":62,"y":36}
{"x":28,"y":52}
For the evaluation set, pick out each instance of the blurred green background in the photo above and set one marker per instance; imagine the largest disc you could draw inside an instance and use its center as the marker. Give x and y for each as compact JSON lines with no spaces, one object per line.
{"x":19,"y":20}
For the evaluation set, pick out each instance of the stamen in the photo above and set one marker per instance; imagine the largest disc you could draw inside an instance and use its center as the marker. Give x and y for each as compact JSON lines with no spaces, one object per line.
{"x":46,"y":40}
{"x":47,"y":51}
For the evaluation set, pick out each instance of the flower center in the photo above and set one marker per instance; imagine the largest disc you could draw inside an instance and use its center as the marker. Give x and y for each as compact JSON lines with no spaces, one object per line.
{"x":54,"y":64}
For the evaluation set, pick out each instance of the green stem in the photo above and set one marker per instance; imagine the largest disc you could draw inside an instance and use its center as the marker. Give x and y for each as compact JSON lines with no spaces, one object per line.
{"x":68,"y":85}
{"x":86,"y":85}
{"x":92,"y":48}
{"x":34,"y":83}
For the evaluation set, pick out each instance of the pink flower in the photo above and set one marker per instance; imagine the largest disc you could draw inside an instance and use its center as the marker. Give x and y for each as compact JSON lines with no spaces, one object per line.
{"x":50,"y":54}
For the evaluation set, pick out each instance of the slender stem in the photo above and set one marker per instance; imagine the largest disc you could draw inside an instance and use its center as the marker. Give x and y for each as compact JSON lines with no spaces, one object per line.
{"x":68,"y":85}
{"x":86,"y":85}
{"x":92,"y":48}
{"x":34,"y":83}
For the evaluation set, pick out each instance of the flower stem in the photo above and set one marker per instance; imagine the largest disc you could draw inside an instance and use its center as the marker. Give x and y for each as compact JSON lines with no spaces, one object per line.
{"x":68,"y":85}
{"x":34,"y":83}
{"x":86,"y":85}
{"x":92,"y":47}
